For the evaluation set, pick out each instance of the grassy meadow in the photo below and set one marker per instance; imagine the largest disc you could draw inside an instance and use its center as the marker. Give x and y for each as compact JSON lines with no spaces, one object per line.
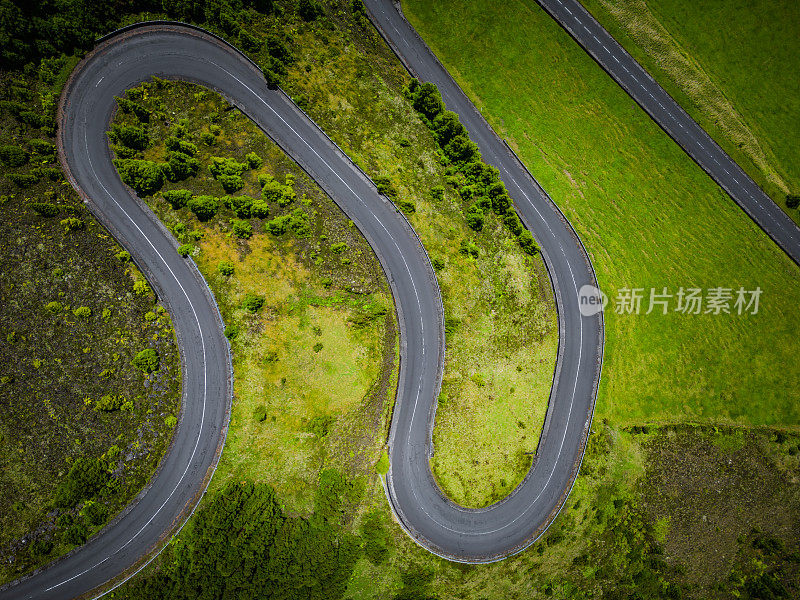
{"x":738,"y":81}
{"x":649,"y":217}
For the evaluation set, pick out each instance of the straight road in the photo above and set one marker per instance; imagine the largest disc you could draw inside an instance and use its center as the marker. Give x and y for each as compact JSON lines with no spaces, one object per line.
{"x":494,"y":532}
{"x":669,"y":115}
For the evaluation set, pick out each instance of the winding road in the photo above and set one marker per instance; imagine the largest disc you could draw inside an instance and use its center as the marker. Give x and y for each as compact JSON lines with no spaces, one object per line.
{"x":180,"y":52}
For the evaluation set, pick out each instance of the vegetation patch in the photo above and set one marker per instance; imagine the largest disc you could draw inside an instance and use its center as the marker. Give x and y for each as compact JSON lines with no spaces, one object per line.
{"x":82,"y":429}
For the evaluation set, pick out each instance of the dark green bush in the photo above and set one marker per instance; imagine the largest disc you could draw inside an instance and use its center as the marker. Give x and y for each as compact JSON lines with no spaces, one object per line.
{"x":254,"y":161}
{"x":177,"y":198}
{"x":475,"y":217}
{"x":181,"y":166}
{"x":23,"y":180}
{"x":241,"y":205}
{"x":242,"y":229}
{"x":13,"y":156}
{"x":513,"y":223}
{"x":94,"y":513}
{"x":86,"y":477}
{"x":252,"y":302}
{"x":175,"y":144}
{"x":42,"y":147}
{"x":129,"y":106}
{"x":792,"y":200}
{"x":42,"y":547}
{"x":225,"y":268}
{"x":129,"y":136}
{"x":185,"y":250}
{"x":77,"y":534}
{"x":46,"y":209}
{"x":144,"y":176}
{"x":300,"y":223}
{"x":375,"y":538}
{"x":147,"y":361}
{"x":527,"y":242}
{"x":260,"y":413}
{"x":407,"y":206}
{"x":309,"y":10}
{"x":274,"y":191}
{"x":338,"y":248}
{"x":425,"y":98}
{"x":385,"y":187}
{"x":437,"y":193}
{"x":204,"y":207}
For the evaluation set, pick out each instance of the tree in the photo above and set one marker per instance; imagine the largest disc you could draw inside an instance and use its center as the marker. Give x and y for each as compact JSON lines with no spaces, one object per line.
{"x":446,"y":126}
{"x":427,"y":100}
{"x":527,"y":243}
{"x":129,"y":136}
{"x":462,"y":150}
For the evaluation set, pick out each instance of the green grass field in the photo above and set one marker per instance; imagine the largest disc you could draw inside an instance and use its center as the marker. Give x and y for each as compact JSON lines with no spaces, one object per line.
{"x":648,"y":216}
{"x":736,"y":74}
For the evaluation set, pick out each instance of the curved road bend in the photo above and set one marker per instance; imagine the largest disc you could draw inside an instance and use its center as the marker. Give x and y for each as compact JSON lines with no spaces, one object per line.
{"x":669,"y":115}
{"x":491,"y":533}
{"x":124,"y":61}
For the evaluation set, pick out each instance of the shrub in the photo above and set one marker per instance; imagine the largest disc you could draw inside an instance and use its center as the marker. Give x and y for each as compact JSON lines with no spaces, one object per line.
{"x":23,"y":180}
{"x":141,"y":287}
{"x":252,"y":302}
{"x":407,"y":206}
{"x":181,"y":166}
{"x":204,"y":207}
{"x":475,"y":217}
{"x":71,"y":224}
{"x":208,"y":138}
{"x":94,"y":513}
{"x":249,"y":42}
{"x":309,"y":9}
{"x":501,"y":203}
{"x":242,"y":229}
{"x":109,"y":402}
{"x":527,"y":243}
{"x":274,"y":191}
{"x":513,"y":223}
{"x":225,"y":166}
{"x":85,"y":478}
{"x":260,"y":413}
{"x":321,"y":425}
{"x":231,"y":331}
{"x":123,"y":256}
{"x":129,"y":106}
{"x":437,"y":193}
{"x":83,"y":312}
{"x":13,"y":156}
{"x":76,"y":534}
{"x":300,"y":223}
{"x":185,"y":250}
{"x":54,"y":307}
{"x":171,"y":421}
{"x":225,"y":268}
{"x":259,"y":208}
{"x":254,"y":161}
{"x":438,"y":263}
{"x":468,"y":248}
{"x":375,"y":537}
{"x":175,"y":144}
{"x":241,"y":205}
{"x":230,"y":183}
{"x":385,"y":187}
{"x":46,"y":209}
{"x":318,"y":347}
{"x":147,"y":361}
{"x":278,"y":225}
{"x":382,"y":466}
{"x":177,"y":198}
{"x":42,"y":147}
{"x":129,"y":136}
{"x":338,"y":248}
{"x":792,"y":200}
{"x":144,"y":176}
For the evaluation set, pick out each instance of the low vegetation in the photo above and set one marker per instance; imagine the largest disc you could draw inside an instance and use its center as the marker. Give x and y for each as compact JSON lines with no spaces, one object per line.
{"x":82,"y":429}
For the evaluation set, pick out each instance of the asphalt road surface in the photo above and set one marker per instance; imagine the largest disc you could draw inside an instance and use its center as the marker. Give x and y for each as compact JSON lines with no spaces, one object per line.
{"x":669,"y":115}
{"x":488,"y":534}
